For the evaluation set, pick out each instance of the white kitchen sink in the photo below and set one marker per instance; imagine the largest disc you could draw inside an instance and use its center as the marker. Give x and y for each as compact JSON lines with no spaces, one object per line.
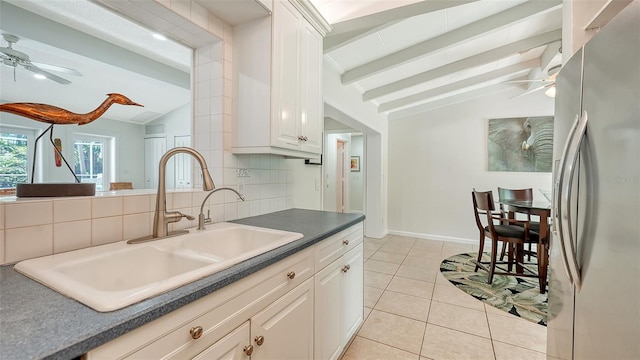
{"x":110,"y":277}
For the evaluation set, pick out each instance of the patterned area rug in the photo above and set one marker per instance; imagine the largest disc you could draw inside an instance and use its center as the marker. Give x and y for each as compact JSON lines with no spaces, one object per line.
{"x":516,"y":295}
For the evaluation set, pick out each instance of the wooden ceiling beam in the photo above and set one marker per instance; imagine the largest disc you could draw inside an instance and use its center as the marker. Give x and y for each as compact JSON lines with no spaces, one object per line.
{"x":463,"y":64}
{"x":449,"y":39}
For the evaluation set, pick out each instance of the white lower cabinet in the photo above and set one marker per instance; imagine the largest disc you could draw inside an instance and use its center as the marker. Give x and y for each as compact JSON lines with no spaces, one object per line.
{"x":234,"y":346}
{"x":339,"y":304}
{"x":353,"y":293}
{"x":284,"y":330}
{"x":285,"y":311}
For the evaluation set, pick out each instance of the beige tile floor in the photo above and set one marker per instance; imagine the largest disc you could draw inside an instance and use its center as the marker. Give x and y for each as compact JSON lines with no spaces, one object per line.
{"x":413,"y":312}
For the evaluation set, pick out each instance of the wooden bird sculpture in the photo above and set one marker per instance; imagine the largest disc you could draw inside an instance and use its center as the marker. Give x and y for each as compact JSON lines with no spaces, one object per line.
{"x":54,"y":115}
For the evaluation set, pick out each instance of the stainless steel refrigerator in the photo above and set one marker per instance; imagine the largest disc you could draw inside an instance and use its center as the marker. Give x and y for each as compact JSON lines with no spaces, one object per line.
{"x":594,"y":284}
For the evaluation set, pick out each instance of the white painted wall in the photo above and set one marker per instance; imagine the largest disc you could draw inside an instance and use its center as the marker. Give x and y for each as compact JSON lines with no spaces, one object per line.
{"x":437,"y":158}
{"x":356,"y":179}
{"x":344,"y":103}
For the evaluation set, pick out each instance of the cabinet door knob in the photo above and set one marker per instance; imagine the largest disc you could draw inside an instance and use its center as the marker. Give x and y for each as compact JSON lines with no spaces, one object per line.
{"x":248,"y":350}
{"x":196,"y":332}
{"x":259,"y":340}
{"x":291,"y":275}
{"x":300,"y":138}
{"x":304,"y":138}
{"x":345,"y":242}
{"x":346,"y":268}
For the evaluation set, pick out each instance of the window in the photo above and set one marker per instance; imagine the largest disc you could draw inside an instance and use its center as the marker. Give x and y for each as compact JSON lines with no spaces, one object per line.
{"x":92,"y":159}
{"x":16,"y":145}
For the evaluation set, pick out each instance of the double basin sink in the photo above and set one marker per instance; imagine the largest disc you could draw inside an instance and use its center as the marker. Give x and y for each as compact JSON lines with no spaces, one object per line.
{"x":113,"y":276}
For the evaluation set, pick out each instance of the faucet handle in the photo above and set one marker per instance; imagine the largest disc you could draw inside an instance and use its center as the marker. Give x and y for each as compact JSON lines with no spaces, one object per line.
{"x":189,"y":217}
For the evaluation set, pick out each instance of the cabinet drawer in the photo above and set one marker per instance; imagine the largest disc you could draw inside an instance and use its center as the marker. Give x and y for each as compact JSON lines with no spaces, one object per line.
{"x":217,"y":314}
{"x":328,"y":250}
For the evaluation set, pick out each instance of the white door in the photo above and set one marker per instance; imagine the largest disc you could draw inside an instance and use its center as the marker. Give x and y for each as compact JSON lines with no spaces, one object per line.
{"x":284,"y":330}
{"x":154,"y":148}
{"x":340,"y":176}
{"x":234,"y":346}
{"x":183,"y":163}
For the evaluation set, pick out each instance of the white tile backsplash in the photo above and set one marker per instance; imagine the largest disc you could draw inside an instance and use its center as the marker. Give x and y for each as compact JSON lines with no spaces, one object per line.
{"x":28,"y":242}
{"x":71,"y":210}
{"x":181,"y":200}
{"x":136,"y":225}
{"x":28,"y":213}
{"x":106,"y":230}
{"x":136,"y":204}
{"x":71,"y":235}
{"x":106,"y":206}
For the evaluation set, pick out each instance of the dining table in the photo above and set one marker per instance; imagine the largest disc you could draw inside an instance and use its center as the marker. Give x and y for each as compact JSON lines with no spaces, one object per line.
{"x":542,"y":209}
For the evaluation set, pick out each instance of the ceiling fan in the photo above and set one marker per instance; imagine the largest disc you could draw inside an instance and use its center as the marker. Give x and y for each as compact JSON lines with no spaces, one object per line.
{"x":13,"y":58}
{"x":549,"y":83}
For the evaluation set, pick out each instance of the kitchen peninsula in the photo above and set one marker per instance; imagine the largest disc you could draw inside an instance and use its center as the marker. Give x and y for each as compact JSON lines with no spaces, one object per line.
{"x":37,"y":322}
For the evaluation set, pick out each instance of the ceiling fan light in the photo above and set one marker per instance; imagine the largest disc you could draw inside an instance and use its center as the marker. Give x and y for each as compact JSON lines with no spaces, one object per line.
{"x":39,"y":76}
{"x":551,"y":91}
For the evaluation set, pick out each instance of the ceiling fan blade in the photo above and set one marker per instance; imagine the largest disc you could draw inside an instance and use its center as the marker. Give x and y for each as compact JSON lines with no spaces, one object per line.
{"x":533,"y":90}
{"x":47,"y":74}
{"x":57,"y":68}
{"x":19,"y":55}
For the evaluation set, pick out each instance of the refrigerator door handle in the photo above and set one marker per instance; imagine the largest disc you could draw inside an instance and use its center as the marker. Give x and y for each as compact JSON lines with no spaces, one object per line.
{"x":566,"y":190}
{"x":557,"y":205}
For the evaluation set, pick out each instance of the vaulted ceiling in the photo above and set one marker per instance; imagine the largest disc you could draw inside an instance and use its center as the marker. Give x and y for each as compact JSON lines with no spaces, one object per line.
{"x":426,"y":54}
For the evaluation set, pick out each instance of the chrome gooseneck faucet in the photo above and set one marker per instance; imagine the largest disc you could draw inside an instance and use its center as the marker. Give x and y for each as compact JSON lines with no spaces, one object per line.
{"x":201,"y":218}
{"x":162,"y":217}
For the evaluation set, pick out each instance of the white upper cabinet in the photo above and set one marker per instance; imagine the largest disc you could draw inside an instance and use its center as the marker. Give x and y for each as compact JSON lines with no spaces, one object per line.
{"x":278,"y":82}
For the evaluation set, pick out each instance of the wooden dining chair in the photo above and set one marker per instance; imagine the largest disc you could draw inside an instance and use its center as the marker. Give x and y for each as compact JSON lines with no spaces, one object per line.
{"x":497,"y":227}
{"x":520,"y":195}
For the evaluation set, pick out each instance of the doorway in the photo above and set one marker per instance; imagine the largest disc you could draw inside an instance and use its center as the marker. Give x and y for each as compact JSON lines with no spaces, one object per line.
{"x":340,"y":190}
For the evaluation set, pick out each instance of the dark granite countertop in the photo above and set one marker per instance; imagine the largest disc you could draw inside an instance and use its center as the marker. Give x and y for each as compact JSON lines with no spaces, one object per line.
{"x":37,"y":322}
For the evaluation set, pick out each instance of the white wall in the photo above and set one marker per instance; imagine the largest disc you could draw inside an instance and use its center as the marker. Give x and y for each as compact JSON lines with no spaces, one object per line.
{"x":356,"y":179}
{"x":437,"y":158}
{"x":344,"y":103}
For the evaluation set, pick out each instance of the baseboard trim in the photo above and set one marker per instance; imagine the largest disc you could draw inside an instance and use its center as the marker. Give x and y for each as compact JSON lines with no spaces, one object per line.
{"x":434,"y":237}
